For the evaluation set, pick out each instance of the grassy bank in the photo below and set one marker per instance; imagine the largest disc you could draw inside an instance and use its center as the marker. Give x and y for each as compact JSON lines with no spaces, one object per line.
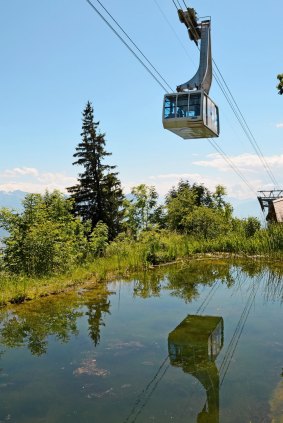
{"x":124,"y":256}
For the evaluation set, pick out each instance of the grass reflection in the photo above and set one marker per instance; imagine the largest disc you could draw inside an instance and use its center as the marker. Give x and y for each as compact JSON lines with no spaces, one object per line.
{"x":30,"y":324}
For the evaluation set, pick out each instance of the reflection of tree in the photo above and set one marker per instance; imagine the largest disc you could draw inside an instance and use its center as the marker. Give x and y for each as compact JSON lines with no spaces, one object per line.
{"x":194,"y":346}
{"x":251,"y":268}
{"x":269,"y":273}
{"x":97,"y":308}
{"x":31,"y":324}
{"x":273,"y":288}
{"x":183,"y":281}
{"x":148,"y":284}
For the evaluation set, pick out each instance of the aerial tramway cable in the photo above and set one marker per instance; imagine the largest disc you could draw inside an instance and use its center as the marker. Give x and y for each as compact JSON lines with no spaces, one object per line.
{"x":217,"y":148}
{"x":230,"y":163}
{"x":247,"y":129}
{"x":238,"y":114}
{"x":134,"y":44}
{"x":152,"y":385}
{"x":126,"y":44}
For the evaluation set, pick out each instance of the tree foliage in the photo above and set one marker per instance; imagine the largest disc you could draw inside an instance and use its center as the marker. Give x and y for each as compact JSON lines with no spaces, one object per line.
{"x":194,"y":201}
{"x":142,"y":211}
{"x":280,"y":84}
{"x":98,"y":195}
{"x":46,"y":238}
{"x":207,"y":223}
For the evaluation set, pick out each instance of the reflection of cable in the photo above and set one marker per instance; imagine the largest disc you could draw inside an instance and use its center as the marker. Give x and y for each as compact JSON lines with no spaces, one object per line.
{"x":236,"y":337}
{"x":237,"y":334}
{"x":208,"y":298}
{"x":146,"y":393}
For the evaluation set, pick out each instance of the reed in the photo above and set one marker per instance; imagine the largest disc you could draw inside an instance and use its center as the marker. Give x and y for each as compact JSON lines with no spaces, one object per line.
{"x":125,"y":256}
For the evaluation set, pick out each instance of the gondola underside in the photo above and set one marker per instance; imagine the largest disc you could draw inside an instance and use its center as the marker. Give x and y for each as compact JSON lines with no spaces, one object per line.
{"x":188,"y":129}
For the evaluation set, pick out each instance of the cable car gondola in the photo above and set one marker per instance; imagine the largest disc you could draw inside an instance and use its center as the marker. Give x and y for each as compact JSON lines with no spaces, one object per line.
{"x":190,"y":112}
{"x":191,"y":115}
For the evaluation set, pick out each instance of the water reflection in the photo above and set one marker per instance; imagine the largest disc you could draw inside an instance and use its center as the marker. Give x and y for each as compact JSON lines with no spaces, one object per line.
{"x":102,"y":374}
{"x":194,"y":346}
{"x":31,"y":324}
{"x":184,"y":281}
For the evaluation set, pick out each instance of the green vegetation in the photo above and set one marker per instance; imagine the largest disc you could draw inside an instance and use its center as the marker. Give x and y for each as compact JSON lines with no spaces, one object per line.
{"x":98,"y":195}
{"x":57,"y":242}
{"x":142,"y":212}
{"x":280,"y":84}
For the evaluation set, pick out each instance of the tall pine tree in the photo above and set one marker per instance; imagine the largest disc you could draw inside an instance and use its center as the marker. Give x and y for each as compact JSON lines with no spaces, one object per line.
{"x":98,"y":195}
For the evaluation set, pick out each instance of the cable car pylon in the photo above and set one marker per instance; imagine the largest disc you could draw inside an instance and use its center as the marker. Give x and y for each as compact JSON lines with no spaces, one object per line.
{"x":190,"y":112}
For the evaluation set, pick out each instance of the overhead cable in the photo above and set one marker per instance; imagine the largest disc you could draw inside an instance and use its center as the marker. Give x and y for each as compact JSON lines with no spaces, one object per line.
{"x":238,"y":114}
{"x":134,"y":44}
{"x":230,"y":163}
{"x":246,"y":127}
{"x":127,"y":45}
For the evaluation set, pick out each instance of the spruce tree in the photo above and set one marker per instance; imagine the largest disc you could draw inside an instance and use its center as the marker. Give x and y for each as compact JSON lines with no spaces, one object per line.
{"x":280,"y":85}
{"x":98,"y":195}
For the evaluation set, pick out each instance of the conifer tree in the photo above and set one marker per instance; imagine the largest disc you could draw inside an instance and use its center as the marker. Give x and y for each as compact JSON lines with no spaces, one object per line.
{"x":280,"y":84}
{"x":98,"y":195}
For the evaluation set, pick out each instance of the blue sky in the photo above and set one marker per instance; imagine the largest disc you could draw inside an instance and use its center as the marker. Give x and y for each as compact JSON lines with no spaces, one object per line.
{"x":58,"y":54}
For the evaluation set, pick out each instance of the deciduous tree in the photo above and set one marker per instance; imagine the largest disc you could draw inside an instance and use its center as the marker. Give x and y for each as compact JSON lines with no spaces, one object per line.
{"x":142,"y":210}
{"x":45,"y":238}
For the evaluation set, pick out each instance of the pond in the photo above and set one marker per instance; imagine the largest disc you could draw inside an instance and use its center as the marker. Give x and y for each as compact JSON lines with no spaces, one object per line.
{"x":200,"y":342}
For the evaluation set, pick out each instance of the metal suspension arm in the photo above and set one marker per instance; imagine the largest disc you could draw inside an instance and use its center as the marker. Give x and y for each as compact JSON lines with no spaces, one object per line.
{"x":203,"y":76}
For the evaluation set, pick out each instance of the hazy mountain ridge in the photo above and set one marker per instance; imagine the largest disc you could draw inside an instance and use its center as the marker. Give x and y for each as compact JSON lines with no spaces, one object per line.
{"x":12,"y":199}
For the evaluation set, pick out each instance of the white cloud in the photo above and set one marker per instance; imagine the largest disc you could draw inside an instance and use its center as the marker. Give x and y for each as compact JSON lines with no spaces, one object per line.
{"x":18,"y":172}
{"x":238,"y":190}
{"x":279,"y":125}
{"x":244,"y":162}
{"x":34,"y":181}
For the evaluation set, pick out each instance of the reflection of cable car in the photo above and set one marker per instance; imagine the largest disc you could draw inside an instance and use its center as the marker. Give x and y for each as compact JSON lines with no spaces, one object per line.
{"x":190,"y":113}
{"x":194,"y":346}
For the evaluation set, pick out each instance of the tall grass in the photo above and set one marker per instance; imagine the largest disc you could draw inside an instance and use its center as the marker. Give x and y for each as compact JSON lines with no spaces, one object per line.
{"x":125,"y":256}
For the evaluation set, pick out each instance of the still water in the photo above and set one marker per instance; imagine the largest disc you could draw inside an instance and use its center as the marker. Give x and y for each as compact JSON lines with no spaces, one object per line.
{"x":198,"y":343}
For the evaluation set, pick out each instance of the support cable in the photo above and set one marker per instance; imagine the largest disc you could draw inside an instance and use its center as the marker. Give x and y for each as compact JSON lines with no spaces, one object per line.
{"x":237,"y":171}
{"x":126,"y":44}
{"x":134,"y":44}
{"x":175,"y":4}
{"x":238,"y":114}
{"x":230,"y":163}
{"x":248,"y":131}
{"x":172,"y":29}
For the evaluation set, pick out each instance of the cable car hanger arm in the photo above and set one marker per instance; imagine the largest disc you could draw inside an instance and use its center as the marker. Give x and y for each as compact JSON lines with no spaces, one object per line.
{"x":198,"y":31}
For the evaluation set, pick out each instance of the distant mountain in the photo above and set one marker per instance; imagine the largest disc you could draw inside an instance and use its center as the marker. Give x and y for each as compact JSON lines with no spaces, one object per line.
{"x":12,"y":199}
